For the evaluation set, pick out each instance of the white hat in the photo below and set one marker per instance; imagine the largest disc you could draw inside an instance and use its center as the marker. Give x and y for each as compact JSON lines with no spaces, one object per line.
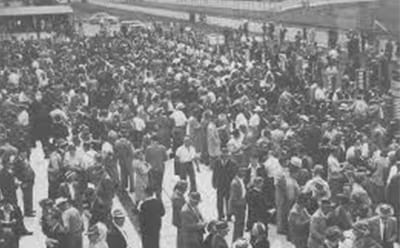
{"x":296,"y":162}
{"x":180,"y":106}
{"x":60,"y":201}
{"x":258,"y":109}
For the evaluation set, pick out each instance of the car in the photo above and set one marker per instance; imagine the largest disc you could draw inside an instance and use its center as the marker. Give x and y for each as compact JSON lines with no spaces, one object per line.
{"x":134,"y":24}
{"x":103,"y":17}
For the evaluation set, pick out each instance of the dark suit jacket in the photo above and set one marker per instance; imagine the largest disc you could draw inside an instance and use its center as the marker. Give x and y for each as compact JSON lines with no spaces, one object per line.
{"x":237,"y":201}
{"x":177,"y":203}
{"x":392,"y":193}
{"x":150,"y":214}
{"x":260,"y":171}
{"x":192,"y":228}
{"x":64,"y":190}
{"x":223,"y":175}
{"x":115,"y":239}
{"x":218,"y":242}
{"x":8,"y":186}
{"x":375,"y":231}
{"x":257,"y":207}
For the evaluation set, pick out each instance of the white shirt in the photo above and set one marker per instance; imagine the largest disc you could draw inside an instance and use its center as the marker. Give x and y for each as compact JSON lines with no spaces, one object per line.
{"x":186,"y":154}
{"x":139,"y":123}
{"x":107,"y":148}
{"x":254,"y":120}
{"x":71,"y":190}
{"x":241,"y":120}
{"x":243,"y":187}
{"x":179,"y":117}
{"x":23,"y":118}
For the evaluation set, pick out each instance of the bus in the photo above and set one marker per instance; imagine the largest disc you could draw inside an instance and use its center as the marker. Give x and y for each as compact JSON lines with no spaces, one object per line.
{"x":32,"y":21}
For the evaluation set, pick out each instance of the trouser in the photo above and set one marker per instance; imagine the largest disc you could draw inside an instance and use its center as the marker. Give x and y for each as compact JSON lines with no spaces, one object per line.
{"x":73,"y":241}
{"x":27,"y":194}
{"x":151,"y":240}
{"x":156,"y":180}
{"x":238,"y":227}
{"x":222,"y":200}
{"x":53,"y":189}
{"x":187,"y":169}
{"x":126,"y":175}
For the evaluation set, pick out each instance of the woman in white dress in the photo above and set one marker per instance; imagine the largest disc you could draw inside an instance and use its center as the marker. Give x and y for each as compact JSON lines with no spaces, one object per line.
{"x":141,"y":169}
{"x":97,"y":235}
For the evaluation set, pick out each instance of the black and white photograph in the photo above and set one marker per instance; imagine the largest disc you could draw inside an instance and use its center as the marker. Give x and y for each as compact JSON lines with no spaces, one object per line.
{"x":199,"y":123}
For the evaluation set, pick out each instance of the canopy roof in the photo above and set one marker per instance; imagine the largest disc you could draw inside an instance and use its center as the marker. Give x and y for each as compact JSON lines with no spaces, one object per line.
{"x":36,"y":10}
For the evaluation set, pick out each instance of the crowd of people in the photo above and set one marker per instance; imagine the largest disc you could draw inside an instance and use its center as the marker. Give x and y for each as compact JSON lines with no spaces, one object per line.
{"x":290,"y":135}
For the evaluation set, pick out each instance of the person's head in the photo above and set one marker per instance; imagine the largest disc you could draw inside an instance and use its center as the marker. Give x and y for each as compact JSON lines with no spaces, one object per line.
{"x":181,"y":186}
{"x":71,"y":176}
{"x":211,"y":226}
{"x":118,"y":217}
{"x":343,"y":199}
{"x":62,"y":204}
{"x":241,"y":243}
{"x":253,"y":159}
{"x":194,"y":198}
{"x":258,"y":182}
{"x":360,"y":229}
{"x":302,"y":199}
{"x":318,"y":171}
{"x":384,"y":211}
{"x":241,"y":172}
{"x":333,"y":236}
{"x":154,"y":139}
{"x":325,"y":205}
{"x":258,"y":229}
{"x":187,"y":141}
{"x":236,"y":133}
{"x":222,"y":228}
{"x":224,"y":153}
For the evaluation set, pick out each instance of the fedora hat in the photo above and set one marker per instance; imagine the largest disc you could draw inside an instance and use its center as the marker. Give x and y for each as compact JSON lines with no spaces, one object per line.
{"x":117,"y":213}
{"x":385,"y":210}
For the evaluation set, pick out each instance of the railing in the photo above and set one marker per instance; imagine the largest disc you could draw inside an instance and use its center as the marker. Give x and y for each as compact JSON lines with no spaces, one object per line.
{"x":255,"y":5}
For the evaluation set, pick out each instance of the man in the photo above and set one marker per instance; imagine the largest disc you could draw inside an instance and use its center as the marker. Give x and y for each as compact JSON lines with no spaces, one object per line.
{"x":124,"y":153}
{"x":70,"y":189}
{"x":392,"y":191}
{"x":299,"y":222}
{"x":224,"y":172}
{"x":55,"y":169}
{"x":180,"y":120}
{"x":117,"y":237}
{"x":258,"y":204}
{"x":156,"y":155}
{"x":218,"y":240}
{"x":8,"y":185}
{"x":26,"y":175}
{"x":72,"y":223}
{"x":237,"y":202}
{"x":254,"y":170}
{"x":151,"y":211}
{"x":192,"y":222}
{"x":186,"y":155}
{"x":178,"y":201}
{"x":383,"y":228}
{"x":318,"y":224}
{"x":213,"y":142}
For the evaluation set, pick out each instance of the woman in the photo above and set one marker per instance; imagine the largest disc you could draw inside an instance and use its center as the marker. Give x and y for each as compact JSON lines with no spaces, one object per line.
{"x":259,"y":236}
{"x":178,"y":200}
{"x":97,"y":235}
{"x":141,"y":169}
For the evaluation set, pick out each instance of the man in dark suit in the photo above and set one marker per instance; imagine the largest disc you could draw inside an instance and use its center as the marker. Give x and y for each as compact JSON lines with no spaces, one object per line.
{"x":218,"y":240}
{"x":151,"y":212}
{"x":7,"y":180}
{"x":224,"y":172}
{"x":124,"y":153}
{"x":156,"y":155}
{"x":192,"y":223}
{"x":237,"y":202}
{"x":70,"y":189}
{"x":26,"y":175}
{"x":383,"y":228}
{"x":116,"y":236}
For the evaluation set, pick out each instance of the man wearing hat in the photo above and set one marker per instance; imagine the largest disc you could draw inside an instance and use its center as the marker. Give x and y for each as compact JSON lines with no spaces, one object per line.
{"x":383,"y":227}
{"x":318,"y":224}
{"x":151,"y":211}
{"x":124,"y":153}
{"x":237,"y":202}
{"x":117,"y":237}
{"x":218,"y":240}
{"x":192,"y":222}
{"x":223,"y":173}
{"x":362,"y":237}
{"x":333,"y":236}
{"x":55,"y":168}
